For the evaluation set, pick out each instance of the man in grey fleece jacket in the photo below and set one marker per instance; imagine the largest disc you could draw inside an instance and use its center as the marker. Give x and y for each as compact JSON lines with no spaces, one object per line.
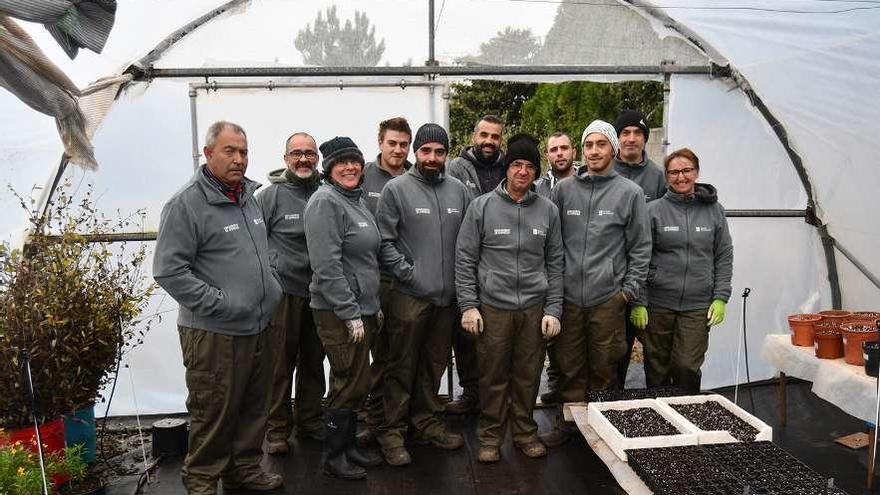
{"x":607,"y":249}
{"x":419,"y":216}
{"x":633,"y":163}
{"x":481,"y":168}
{"x":299,"y":347}
{"x":508,"y":275}
{"x":212,"y":257}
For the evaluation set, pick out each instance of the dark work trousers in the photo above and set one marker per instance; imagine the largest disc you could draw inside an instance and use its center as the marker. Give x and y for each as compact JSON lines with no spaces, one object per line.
{"x":349,"y":362}
{"x":466,"y":362}
{"x":588,"y":348}
{"x":379,"y":352}
{"x":676,"y":344}
{"x":631,"y":334}
{"x":511,"y":354}
{"x":418,"y":334}
{"x":228,"y":379}
{"x":299,"y":347}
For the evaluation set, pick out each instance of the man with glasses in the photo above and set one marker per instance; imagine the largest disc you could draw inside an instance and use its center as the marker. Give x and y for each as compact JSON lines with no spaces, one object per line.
{"x":633,"y":163}
{"x":607,"y":242}
{"x":296,"y":338}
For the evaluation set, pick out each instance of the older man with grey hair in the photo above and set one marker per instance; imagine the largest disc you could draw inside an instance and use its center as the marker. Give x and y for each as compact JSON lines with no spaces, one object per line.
{"x":607,"y":250}
{"x":212,"y":257}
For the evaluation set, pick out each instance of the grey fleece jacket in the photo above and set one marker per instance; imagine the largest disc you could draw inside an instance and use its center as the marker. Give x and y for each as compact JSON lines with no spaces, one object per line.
{"x":283,"y":204}
{"x":343,"y":244}
{"x":692,"y":261}
{"x":212,"y":257}
{"x":546,"y":183}
{"x":606,"y":235}
{"x":509,"y":255}
{"x":646,"y":174}
{"x":375,"y":178}
{"x":464,"y":168}
{"x":419,"y":221}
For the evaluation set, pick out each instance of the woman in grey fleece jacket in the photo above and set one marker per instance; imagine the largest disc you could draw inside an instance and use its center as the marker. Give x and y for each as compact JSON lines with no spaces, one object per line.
{"x":343,"y":244}
{"x":688,"y":281}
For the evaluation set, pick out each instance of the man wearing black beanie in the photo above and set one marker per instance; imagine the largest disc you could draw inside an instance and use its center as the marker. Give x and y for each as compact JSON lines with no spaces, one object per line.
{"x":633,"y":163}
{"x":514,"y":235}
{"x":481,"y":167}
{"x":419,"y":214}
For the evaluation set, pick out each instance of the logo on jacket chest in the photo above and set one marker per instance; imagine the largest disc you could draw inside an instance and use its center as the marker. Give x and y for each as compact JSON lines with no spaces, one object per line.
{"x":539,"y":232}
{"x":573,"y":213}
{"x":453,"y":211}
{"x":423,"y":211}
{"x":671,"y":228}
{"x":702,"y":229}
{"x":292,"y":216}
{"x":363,"y":225}
{"x":470,"y":184}
{"x":231,"y":228}
{"x":604,"y":213}
{"x":258,"y":221}
{"x":502,"y":231}
{"x":372,"y":194}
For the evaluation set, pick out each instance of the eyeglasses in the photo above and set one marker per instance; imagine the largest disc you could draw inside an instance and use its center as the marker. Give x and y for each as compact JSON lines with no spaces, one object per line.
{"x":676,"y":173}
{"x":298,"y":154}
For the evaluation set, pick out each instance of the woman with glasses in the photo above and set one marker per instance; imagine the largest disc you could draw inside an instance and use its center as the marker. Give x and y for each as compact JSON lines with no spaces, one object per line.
{"x":343,"y":244}
{"x":688,"y":281}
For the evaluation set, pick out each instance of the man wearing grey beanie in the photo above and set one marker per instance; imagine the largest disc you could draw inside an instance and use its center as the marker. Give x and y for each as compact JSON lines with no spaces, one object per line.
{"x":607,"y":249}
{"x":419,"y":215}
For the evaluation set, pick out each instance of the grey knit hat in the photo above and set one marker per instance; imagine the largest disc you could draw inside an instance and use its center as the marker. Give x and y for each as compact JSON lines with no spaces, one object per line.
{"x":431,"y":133}
{"x":337,"y":149}
{"x":606,"y":130}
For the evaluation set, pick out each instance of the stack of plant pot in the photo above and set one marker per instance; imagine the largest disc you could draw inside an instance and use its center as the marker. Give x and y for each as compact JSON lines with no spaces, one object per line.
{"x":857,"y":331}
{"x":829,"y":340}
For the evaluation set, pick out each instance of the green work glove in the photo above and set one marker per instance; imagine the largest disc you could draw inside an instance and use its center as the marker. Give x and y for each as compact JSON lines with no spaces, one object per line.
{"x":716,"y":312}
{"x":638,"y":316}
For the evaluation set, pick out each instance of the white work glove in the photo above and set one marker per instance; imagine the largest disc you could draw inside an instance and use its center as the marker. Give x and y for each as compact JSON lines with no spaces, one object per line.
{"x":380,"y":320}
{"x":550,"y":326}
{"x":472,"y":321}
{"x":355,"y":330}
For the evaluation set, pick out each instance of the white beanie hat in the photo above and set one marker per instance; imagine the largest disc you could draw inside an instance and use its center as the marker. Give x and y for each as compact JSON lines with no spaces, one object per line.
{"x":606,"y":130}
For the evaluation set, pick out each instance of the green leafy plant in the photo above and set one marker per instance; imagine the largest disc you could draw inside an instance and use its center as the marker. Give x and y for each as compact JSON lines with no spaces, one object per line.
{"x":20,"y":467}
{"x":68,"y":303}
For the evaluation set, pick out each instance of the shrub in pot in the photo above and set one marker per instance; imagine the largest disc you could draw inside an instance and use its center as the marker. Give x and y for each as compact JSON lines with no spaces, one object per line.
{"x":69,"y":304}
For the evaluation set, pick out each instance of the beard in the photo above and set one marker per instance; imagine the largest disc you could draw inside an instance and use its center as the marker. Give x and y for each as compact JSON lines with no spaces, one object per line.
{"x":431,"y":174}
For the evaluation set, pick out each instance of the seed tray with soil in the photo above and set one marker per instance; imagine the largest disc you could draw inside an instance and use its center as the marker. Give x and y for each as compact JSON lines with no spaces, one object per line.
{"x":715,"y":419}
{"x":712,"y":416}
{"x":766,"y":468}
{"x":678,"y":470}
{"x":633,"y":394}
{"x":636,"y":424}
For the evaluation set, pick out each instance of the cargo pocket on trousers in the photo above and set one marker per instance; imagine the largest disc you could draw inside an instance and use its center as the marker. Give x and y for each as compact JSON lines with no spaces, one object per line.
{"x":340,"y":357}
{"x":203,"y":397}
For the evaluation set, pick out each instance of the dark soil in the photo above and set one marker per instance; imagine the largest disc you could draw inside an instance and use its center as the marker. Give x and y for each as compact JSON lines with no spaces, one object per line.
{"x":634,"y":394}
{"x":711,"y":415}
{"x":640,"y":422}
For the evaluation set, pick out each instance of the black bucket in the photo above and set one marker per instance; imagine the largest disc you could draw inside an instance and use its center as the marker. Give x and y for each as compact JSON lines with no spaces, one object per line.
{"x":872,"y":357}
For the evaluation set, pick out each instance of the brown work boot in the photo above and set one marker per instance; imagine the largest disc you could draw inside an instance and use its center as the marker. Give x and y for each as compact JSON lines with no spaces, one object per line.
{"x":488,"y":453}
{"x":277,"y":447}
{"x":441,"y":439}
{"x":467,"y":403}
{"x":533,"y":449}
{"x":261,"y":481}
{"x":396,"y":456}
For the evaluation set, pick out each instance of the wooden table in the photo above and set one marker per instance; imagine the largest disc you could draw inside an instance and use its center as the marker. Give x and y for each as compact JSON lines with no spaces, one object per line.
{"x":844,"y":385}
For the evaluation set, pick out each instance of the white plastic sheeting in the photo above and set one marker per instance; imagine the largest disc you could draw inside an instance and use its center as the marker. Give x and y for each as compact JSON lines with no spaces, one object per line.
{"x":818,"y":73}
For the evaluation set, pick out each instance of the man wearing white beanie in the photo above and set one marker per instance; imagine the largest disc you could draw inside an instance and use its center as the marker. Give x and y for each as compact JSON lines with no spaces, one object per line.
{"x":607,"y":242}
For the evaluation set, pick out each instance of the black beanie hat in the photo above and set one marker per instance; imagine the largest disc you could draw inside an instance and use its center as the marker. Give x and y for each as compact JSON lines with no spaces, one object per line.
{"x":430,"y":133}
{"x":337,"y":149}
{"x":523,"y":147}
{"x":629,"y":118}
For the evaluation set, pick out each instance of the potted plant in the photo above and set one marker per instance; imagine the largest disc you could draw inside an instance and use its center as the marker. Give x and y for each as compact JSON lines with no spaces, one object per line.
{"x":20,"y":472}
{"x":69,"y":305}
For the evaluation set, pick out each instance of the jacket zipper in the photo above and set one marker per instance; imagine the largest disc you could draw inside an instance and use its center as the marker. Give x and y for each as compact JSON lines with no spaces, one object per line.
{"x":442,"y":253}
{"x":586,"y":234}
{"x":518,"y":242}
{"x":687,"y":255}
{"x":259,"y":261}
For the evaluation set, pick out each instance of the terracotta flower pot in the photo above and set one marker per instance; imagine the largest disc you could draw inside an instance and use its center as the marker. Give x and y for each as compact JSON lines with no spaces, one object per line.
{"x":802,"y":329}
{"x":829,"y":344}
{"x":866,"y":315}
{"x":854,"y":333}
{"x":835,"y":316}
{"x":827,"y":326}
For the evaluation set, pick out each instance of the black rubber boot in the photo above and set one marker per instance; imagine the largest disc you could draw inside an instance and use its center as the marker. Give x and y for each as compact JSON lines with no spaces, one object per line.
{"x":335,"y":462}
{"x":354,"y":454}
